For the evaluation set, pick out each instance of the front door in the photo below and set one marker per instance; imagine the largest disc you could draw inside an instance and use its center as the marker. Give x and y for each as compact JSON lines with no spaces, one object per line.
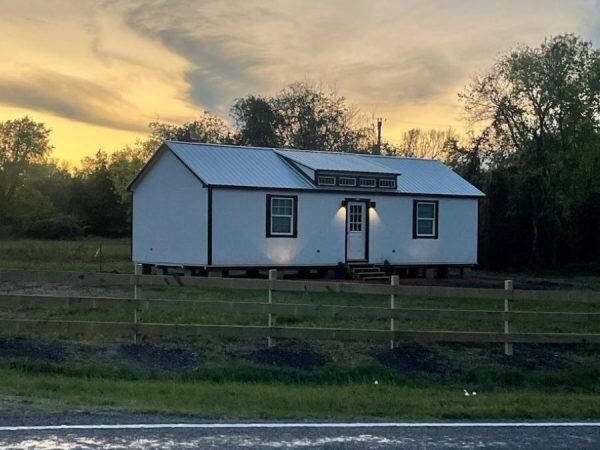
{"x":356,"y":231}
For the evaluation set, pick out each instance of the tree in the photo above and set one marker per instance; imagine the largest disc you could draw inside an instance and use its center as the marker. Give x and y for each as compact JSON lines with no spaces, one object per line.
{"x":23,"y":143}
{"x":418,"y":143}
{"x":539,"y":107}
{"x":95,"y":199}
{"x":256,"y":122}
{"x":125,"y":163}
{"x":311,"y":118}
{"x":207,"y":128}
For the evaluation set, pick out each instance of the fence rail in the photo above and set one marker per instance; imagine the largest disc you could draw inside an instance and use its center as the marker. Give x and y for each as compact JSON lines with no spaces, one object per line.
{"x":160,"y":330}
{"x":288,"y":309}
{"x":395,"y":313}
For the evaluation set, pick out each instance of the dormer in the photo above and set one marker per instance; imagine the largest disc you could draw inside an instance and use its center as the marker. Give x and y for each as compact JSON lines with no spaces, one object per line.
{"x":330,"y":170}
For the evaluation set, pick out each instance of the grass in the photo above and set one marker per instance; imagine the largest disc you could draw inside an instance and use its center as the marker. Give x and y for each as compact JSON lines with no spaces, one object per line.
{"x":262,"y":400}
{"x":225,"y":382}
{"x":419,"y":397}
{"x":80,"y":255}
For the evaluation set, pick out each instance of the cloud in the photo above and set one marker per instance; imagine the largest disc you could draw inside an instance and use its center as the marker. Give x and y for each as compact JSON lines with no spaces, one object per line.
{"x":123,"y":63}
{"x":70,"y":97}
{"x":380,"y":53}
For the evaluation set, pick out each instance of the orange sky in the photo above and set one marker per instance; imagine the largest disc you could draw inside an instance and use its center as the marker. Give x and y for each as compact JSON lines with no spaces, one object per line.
{"x":97,"y":72}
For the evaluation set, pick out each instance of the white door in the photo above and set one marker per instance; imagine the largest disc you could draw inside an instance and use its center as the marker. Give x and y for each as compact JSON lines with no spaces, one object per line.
{"x":356,"y":231}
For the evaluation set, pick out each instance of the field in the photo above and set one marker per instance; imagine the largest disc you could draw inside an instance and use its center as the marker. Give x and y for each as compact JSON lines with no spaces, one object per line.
{"x":238,"y":378}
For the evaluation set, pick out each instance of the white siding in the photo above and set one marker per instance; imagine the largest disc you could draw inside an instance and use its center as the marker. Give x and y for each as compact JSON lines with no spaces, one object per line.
{"x":239,"y":235}
{"x":169,"y":215}
{"x":391,"y":232}
{"x":239,"y":230}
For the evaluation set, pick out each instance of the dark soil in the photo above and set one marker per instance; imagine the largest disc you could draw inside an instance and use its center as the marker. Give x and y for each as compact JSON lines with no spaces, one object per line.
{"x":150,"y":356}
{"x":139,"y":356}
{"x":414,"y":358}
{"x":47,"y":349}
{"x":291,"y":354}
{"x":534,"y":357}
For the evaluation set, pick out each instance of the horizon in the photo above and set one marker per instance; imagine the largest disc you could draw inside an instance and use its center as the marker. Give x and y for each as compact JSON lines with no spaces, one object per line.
{"x":98,"y":72}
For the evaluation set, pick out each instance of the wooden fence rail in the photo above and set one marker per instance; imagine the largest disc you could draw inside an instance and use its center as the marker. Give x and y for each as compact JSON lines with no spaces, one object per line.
{"x":396,"y":313}
{"x":30,"y":327}
{"x":288,"y":309}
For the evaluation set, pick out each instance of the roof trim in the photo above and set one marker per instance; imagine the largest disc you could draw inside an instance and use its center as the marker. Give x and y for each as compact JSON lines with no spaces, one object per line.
{"x":276,"y":149}
{"x":292,"y":165}
{"x":344,"y":191}
{"x":159,"y":151}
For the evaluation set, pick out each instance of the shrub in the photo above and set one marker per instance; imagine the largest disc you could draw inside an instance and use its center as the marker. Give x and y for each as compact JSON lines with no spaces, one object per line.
{"x":61,"y":226}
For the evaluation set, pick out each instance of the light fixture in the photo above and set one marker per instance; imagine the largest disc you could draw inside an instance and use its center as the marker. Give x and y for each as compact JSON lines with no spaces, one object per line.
{"x":372,"y":205}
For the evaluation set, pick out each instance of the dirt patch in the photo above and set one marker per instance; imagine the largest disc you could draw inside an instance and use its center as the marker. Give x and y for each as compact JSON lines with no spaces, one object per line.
{"x":139,"y":356}
{"x":291,"y":354}
{"x":150,"y":356}
{"x":47,"y":349}
{"x":414,"y":358}
{"x":534,"y":357}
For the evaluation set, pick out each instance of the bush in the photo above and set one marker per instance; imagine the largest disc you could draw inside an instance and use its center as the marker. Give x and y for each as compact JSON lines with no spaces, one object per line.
{"x":61,"y":226}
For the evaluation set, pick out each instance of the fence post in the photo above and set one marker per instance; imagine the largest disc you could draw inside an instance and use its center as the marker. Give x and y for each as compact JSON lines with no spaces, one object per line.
{"x":137,"y":295}
{"x":508,"y":288}
{"x":394,"y":281}
{"x":271,"y":317}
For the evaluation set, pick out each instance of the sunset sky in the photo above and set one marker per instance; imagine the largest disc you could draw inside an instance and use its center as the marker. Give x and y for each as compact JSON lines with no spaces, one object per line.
{"x":98,"y":71}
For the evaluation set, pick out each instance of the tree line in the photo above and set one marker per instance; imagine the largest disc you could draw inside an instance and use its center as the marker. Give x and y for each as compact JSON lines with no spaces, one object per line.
{"x":536,"y":155}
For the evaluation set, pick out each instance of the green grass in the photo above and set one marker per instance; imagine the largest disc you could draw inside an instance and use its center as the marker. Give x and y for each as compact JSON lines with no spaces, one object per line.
{"x":225,"y":384}
{"x":278,"y":400}
{"x":80,"y":255}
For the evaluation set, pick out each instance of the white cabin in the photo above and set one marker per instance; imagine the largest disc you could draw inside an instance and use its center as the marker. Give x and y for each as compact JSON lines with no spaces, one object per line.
{"x":224,"y":206}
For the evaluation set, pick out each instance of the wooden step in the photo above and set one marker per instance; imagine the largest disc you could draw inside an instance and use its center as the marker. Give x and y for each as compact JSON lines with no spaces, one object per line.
{"x":377,"y":278}
{"x":358,"y":263}
{"x":371,"y":275}
{"x":366,"y":269}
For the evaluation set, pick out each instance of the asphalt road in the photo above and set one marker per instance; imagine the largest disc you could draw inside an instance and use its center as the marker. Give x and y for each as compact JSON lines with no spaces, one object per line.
{"x":95,"y":435}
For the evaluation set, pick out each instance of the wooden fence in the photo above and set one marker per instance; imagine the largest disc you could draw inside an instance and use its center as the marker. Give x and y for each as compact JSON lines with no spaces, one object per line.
{"x":395,"y":313}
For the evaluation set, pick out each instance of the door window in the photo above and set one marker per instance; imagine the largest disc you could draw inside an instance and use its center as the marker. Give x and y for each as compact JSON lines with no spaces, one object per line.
{"x":356,"y":218}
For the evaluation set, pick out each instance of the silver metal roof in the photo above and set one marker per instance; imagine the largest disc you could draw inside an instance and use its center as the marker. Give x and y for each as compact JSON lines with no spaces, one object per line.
{"x":344,"y":162}
{"x":238,"y":166}
{"x":229,"y":165}
{"x":427,"y":176}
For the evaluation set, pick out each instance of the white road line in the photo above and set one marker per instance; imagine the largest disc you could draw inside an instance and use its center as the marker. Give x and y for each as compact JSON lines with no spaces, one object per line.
{"x":217,"y":425}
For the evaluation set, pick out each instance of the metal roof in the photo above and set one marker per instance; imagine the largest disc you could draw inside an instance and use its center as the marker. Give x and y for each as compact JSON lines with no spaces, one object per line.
{"x":238,"y":166}
{"x":427,"y":176}
{"x":339,"y":162}
{"x":230,"y":165}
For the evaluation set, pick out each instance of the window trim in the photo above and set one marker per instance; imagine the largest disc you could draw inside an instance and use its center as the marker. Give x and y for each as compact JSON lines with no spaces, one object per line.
{"x":391,"y":180}
{"x":416,"y":234}
{"x":334,"y":183}
{"x":374,"y":185}
{"x":353,"y":179}
{"x":268,"y":230}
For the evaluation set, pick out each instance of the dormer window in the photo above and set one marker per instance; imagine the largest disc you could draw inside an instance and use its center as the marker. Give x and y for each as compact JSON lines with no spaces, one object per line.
{"x":347,"y":181}
{"x":326,"y":180}
{"x":387,"y":183}
{"x":367,"y":182}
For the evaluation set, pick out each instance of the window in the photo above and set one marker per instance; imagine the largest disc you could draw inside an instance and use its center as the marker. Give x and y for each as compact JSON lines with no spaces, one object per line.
{"x":347,"y":181}
{"x":356,"y":218}
{"x":282,"y":216}
{"x":368,"y":182}
{"x":326,"y":181}
{"x":387,"y":183}
{"x":425,"y":219}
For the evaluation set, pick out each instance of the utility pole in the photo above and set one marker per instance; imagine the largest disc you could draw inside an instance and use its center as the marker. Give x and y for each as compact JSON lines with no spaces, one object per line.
{"x":378,"y":148}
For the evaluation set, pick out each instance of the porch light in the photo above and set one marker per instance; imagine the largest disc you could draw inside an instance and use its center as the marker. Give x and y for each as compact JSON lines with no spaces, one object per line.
{"x":372,"y":205}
